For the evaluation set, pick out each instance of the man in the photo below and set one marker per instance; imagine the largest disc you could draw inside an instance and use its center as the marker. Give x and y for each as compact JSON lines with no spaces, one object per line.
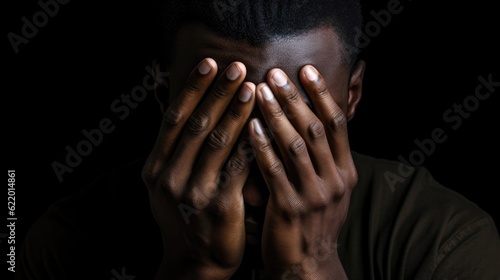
{"x":252,"y":176}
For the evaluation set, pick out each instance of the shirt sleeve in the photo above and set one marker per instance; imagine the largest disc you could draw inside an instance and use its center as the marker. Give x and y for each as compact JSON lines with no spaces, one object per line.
{"x":472,"y":253}
{"x":415,"y":228}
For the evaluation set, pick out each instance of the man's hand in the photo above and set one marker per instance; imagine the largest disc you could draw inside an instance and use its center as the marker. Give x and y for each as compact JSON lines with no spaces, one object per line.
{"x":195,"y":182}
{"x":310,"y":187}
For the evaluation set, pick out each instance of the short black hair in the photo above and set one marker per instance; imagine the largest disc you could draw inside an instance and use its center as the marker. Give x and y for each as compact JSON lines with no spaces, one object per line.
{"x":259,"y":21}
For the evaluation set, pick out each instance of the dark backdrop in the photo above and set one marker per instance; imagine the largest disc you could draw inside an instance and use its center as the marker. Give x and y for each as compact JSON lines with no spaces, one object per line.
{"x":65,"y":78}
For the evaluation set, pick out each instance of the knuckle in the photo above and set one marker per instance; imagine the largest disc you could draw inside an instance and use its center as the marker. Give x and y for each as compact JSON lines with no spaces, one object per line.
{"x":220,"y":91}
{"x":338,"y":120}
{"x":246,"y":152}
{"x":236,"y":165}
{"x":322,"y":91}
{"x":289,"y":206}
{"x":234,"y":114}
{"x":352,"y":177}
{"x":169,"y":183}
{"x":293,"y":96}
{"x":192,"y":86}
{"x":148,"y":174}
{"x":265,"y":147}
{"x":223,"y":180}
{"x":173,"y":116}
{"x":218,"y":139}
{"x":196,"y":199}
{"x":276,"y":112}
{"x":354,"y":180}
{"x":198,"y":122}
{"x":319,"y":201}
{"x":316,"y":130}
{"x":274,"y":168}
{"x":297,"y":147}
{"x":339,"y":190}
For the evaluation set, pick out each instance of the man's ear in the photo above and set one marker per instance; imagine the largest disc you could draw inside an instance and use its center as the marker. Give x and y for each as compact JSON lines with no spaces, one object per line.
{"x":355,"y":88}
{"x":161,"y":85}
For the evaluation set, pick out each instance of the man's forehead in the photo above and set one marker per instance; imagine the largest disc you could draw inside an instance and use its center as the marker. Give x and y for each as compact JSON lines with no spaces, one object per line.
{"x":319,"y":47}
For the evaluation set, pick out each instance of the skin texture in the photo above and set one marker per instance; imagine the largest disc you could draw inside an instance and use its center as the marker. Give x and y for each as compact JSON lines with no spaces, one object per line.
{"x":239,"y":139}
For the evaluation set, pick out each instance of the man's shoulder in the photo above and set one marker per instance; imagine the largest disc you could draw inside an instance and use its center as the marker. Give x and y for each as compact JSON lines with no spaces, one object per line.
{"x":411,"y":222}
{"x":395,"y":189}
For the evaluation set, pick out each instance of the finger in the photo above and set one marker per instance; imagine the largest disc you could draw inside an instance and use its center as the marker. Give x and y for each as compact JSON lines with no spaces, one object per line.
{"x":230,"y":185}
{"x":237,"y":168}
{"x":269,"y":164}
{"x":221,"y":139}
{"x":228,"y":206}
{"x":292,"y":146}
{"x":305,"y":122}
{"x":330,"y":114}
{"x":205,"y":118}
{"x":177,"y":113}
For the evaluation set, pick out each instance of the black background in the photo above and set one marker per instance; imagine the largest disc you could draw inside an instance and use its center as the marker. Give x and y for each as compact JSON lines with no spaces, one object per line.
{"x":66,"y":77}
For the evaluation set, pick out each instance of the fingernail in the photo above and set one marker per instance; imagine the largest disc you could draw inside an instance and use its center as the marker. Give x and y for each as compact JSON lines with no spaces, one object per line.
{"x":267,"y":93}
{"x":204,"y":68}
{"x":233,"y":72}
{"x":257,"y":127}
{"x":245,"y":94}
{"x":279,"y":78}
{"x":311,"y":74}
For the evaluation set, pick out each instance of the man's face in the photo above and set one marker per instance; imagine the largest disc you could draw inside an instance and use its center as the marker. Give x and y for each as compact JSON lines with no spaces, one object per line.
{"x":319,"y":47}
